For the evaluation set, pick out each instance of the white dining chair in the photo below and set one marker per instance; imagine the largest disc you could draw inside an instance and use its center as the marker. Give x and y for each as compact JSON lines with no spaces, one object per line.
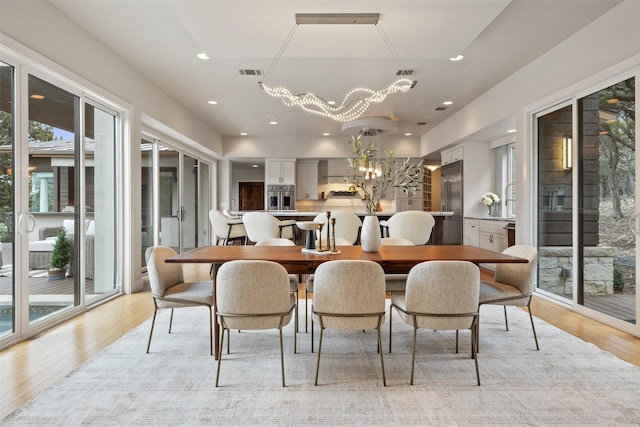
{"x":263,"y":226}
{"x":413,"y":225}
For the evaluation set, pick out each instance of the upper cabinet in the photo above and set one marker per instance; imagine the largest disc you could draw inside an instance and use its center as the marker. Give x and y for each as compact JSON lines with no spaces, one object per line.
{"x":280,"y":171}
{"x":452,"y":155}
{"x":307,"y":179}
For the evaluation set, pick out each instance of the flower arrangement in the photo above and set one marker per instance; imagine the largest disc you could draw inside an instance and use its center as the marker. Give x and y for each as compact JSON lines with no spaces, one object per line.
{"x":490,"y":200}
{"x":375,"y":176}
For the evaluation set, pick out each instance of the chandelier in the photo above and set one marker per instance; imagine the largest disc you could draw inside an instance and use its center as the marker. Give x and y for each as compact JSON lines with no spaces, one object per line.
{"x":356,"y":102}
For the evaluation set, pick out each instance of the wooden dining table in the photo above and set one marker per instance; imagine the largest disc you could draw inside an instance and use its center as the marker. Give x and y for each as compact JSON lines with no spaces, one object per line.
{"x":393,"y":259}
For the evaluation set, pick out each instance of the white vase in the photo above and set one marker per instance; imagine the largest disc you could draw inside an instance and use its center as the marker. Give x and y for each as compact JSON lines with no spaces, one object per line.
{"x":370,"y":237}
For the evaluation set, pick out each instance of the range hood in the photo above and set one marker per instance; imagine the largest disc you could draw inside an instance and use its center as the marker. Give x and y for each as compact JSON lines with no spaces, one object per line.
{"x":344,"y":195}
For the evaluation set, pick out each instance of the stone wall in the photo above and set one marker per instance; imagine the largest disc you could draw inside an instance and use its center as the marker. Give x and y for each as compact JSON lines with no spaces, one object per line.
{"x":555,"y":265}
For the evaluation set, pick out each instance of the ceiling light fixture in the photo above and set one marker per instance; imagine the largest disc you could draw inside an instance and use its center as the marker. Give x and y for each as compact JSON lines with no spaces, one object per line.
{"x":456,"y":58}
{"x":243,"y":134}
{"x":203,"y":56}
{"x":213,"y":102}
{"x":447,"y":103}
{"x":356,"y":102}
{"x":273,"y":122}
{"x":511,"y":131}
{"x":326,"y":134}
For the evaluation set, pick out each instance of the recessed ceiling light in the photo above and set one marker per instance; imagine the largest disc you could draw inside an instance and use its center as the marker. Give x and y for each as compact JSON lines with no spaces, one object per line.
{"x":457,"y":58}
{"x":273,"y":122}
{"x":331,"y":102}
{"x":243,"y":133}
{"x":36,"y":96}
{"x":254,"y":166}
{"x":326,"y":134}
{"x":447,"y":103}
{"x":511,"y":131}
{"x":408,"y":134}
{"x":203,"y":55}
{"x":213,"y":102}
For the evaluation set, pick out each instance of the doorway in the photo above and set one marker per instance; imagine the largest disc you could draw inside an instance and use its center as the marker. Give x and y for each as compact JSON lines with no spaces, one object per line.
{"x":251,"y":196}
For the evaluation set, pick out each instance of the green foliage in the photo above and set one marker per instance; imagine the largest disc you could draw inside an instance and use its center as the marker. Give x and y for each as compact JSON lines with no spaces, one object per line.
{"x":405,"y":175}
{"x":61,"y":254}
{"x":618,"y":280}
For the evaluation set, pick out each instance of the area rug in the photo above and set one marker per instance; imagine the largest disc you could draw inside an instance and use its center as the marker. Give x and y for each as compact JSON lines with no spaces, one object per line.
{"x":567,"y":382}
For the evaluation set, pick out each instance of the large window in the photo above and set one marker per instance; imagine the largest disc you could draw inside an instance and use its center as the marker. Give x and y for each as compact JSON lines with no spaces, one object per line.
{"x":586,"y":201}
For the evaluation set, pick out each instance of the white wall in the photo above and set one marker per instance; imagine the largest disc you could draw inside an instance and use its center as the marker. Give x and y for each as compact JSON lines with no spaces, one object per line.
{"x":288,"y":147}
{"x":590,"y":56}
{"x":37,"y":25}
{"x":587,"y":52}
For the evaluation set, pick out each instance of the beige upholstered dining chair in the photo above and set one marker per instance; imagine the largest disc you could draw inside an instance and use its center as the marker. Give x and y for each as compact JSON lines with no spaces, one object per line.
{"x":226,"y":229}
{"x":253,"y":295}
{"x":293,"y":278}
{"x":348,"y":226}
{"x":170,"y":290}
{"x":263,"y":226}
{"x":441,"y":295}
{"x":413,"y":225}
{"x":512,"y":284}
{"x":349,"y":295}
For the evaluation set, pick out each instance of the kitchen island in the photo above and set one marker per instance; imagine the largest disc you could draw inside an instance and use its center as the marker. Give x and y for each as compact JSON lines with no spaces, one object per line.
{"x":300,"y":236}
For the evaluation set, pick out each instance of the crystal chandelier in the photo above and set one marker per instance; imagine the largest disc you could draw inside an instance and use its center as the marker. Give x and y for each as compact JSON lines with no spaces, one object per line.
{"x":356,"y":102}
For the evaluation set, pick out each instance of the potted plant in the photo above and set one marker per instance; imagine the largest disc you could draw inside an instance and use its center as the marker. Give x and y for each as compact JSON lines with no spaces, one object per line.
{"x":60,"y":256}
{"x":374,"y":176}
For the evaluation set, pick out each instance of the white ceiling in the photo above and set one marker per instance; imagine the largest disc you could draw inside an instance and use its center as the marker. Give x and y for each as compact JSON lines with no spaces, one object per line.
{"x":161,"y":40}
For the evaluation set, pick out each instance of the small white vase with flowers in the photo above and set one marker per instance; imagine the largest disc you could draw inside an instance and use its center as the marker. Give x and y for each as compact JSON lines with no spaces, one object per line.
{"x":490,"y":200}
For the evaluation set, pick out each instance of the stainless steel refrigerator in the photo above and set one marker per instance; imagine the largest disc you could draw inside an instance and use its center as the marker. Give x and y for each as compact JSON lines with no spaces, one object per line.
{"x":451,"y":199}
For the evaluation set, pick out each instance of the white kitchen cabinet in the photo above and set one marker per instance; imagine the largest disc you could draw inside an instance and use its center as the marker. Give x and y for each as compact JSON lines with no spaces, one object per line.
{"x":409,"y":204}
{"x":471,"y":232}
{"x":280,"y":171}
{"x":453,"y":155}
{"x":493,"y":236}
{"x":307,"y":180}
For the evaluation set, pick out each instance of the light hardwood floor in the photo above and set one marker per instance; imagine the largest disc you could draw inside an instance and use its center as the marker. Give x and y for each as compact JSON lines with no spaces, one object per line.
{"x":30,"y":367}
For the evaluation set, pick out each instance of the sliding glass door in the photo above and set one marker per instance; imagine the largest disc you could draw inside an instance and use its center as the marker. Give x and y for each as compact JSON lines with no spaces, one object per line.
{"x":586,"y":202}
{"x":180,"y":197}
{"x":58,"y":185}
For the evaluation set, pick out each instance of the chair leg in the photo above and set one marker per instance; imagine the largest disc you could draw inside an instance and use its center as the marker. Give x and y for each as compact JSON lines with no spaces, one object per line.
{"x":282,"y":353}
{"x":413,"y":355}
{"x":296,"y":312}
{"x":474,"y":348}
{"x":390,"y":320}
{"x":171,"y":320}
{"x":506,"y":322}
{"x":533,"y":327}
{"x":211,"y":329}
{"x":306,"y":308}
{"x":312,"y":329}
{"x":384,"y":377}
{"x":319,"y":350}
{"x":220,"y":354}
{"x":153,"y":322}
{"x":456,"y":341}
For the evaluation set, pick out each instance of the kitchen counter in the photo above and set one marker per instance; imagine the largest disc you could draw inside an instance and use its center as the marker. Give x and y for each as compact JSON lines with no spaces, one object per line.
{"x":299,"y":237}
{"x":298,"y":214}
{"x":493,"y":218}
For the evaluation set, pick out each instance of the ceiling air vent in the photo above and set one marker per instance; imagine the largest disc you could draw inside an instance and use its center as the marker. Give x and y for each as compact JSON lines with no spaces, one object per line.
{"x":421,"y":123}
{"x":250,"y":72}
{"x":441,"y":108}
{"x":408,"y":72}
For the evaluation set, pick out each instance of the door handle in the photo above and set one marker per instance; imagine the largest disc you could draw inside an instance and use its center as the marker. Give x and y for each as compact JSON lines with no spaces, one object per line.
{"x":26,"y":223}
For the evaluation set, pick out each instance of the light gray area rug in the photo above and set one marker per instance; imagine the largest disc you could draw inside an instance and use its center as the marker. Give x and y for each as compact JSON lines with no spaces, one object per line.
{"x":567,"y":382}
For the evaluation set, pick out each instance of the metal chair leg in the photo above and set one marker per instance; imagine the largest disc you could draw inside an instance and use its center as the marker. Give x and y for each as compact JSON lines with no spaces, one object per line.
{"x":506,"y":322}
{"x":211,"y":329}
{"x":384,"y":377}
{"x":533,"y":327}
{"x":220,"y":355}
{"x":457,"y":341}
{"x":474,"y":348}
{"x":319,"y":351}
{"x":153,"y":322}
{"x":390,"y":320}
{"x":282,"y":353}
{"x":413,"y":355}
{"x":171,"y":320}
